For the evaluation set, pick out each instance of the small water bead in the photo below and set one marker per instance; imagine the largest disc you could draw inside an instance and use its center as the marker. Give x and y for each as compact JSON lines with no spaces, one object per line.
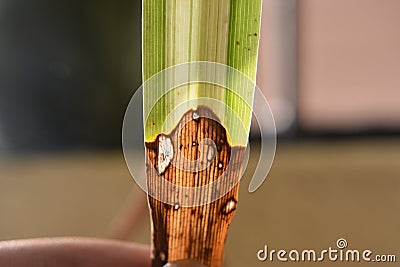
{"x":229,"y":206}
{"x":210,"y":153}
{"x":165,"y":153}
{"x":176,"y":206}
{"x":162,"y":256}
{"x":195,"y":116}
{"x":220,"y":165}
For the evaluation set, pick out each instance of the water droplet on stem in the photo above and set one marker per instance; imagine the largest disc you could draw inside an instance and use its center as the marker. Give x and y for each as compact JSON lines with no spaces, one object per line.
{"x":195,"y":116}
{"x":229,"y":206}
{"x":210,"y":153}
{"x":165,"y":153}
{"x":162,"y":256}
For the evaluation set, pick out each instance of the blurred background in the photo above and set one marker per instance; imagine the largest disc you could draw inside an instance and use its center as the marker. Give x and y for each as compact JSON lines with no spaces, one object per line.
{"x":329,"y":68}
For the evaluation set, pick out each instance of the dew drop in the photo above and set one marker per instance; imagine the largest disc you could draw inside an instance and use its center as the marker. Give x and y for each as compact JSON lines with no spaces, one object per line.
{"x":195,"y":116}
{"x":194,"y":144}
{"x":220,"y":165}
{"x":162,"y":256}
{"x":229,"y":206}
{"x":176,"y":206}
{"x":210,"y":153}
{"x":165,"y":153}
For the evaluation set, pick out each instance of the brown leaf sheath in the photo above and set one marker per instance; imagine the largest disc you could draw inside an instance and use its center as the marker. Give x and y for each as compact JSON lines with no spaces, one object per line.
{"x":197,"y":233}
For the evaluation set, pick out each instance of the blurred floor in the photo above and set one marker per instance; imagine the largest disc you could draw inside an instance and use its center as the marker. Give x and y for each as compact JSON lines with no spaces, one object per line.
{"x":316,"y":193}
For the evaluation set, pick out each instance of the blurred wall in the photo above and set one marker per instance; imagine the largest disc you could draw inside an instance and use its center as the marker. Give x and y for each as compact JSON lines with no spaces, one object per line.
{"x":349,"y":65}
{"x":69,"y":67}
{"x":67,"y":71}
{"x":277,"y":68}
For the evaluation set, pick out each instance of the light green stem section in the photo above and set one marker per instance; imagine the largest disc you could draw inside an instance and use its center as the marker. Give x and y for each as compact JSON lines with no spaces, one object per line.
{"x":180,"y":31}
